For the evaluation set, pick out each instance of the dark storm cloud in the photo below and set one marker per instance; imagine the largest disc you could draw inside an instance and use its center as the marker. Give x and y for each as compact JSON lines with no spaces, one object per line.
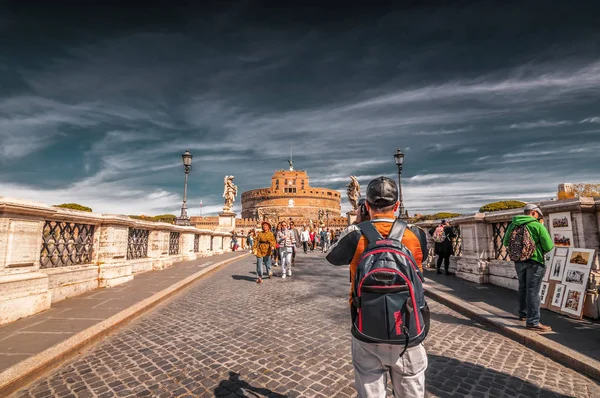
{"x":489,"y":102}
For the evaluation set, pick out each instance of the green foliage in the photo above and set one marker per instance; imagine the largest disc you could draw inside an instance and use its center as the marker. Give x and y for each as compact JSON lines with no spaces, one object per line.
{"x":74,"y":206}
{"x":168,"y":218}
{"x":436,"y":216}
{"x":502,"y":205}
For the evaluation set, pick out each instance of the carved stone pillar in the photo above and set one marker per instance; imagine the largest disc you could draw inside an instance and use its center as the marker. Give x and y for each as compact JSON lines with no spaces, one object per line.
{"x":158,"y":249}
{"x":473,"y":264}
{"x":24,"y":290}
{"x":114,"y":269}
{"x":187,"y":245}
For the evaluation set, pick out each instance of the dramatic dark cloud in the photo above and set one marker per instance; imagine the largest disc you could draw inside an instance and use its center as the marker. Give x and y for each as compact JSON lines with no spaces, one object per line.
{"x":489,"y":101}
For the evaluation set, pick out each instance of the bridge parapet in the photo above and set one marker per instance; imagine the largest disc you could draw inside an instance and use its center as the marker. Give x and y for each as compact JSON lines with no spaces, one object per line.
{"x":49,"y":253}
{"x":480,"y":256}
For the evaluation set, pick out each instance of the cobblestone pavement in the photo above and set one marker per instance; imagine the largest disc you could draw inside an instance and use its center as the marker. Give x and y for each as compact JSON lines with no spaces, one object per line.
{"x":228,"y":337}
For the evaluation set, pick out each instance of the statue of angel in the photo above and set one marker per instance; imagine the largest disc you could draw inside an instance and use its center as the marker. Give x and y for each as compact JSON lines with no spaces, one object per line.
{"x":353,"y":192}
{"x":229,"y":192}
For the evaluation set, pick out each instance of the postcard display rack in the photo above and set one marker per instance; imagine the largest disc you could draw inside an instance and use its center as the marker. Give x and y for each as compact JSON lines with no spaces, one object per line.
{"x":567,"y":270}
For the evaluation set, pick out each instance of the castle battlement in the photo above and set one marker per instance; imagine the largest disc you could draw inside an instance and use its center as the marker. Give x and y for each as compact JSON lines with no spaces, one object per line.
{"x":290,"y":196}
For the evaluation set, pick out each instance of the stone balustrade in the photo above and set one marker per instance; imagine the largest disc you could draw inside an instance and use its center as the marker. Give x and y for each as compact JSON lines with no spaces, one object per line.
{"x":482,"y":258}
{"x":48,"y":254}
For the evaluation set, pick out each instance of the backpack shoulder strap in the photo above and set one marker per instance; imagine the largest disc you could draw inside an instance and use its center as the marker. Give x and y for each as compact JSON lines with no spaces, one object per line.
{"x":397,"y":231}
{"x":369,"y":231}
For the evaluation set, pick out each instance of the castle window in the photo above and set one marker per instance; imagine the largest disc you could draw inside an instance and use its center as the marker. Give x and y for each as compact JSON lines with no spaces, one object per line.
{"x":329,"y":193}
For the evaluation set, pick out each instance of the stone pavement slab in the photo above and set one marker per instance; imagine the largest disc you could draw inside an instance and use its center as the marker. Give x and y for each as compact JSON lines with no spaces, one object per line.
{"x":28,"y":337}
{"x":227,"y":336}
{"x":582,"y":336}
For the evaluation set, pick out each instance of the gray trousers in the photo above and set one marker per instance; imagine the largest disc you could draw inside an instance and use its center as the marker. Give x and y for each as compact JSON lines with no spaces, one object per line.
{"x":373,"y":362}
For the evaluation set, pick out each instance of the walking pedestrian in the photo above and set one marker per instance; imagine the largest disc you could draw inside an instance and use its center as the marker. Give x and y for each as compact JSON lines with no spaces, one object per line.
{"x":442,"y":236}
{"x":234,"y":240}
{"x":265,"y":245}
{"x":276,"y":251}
{"x":373,"y":361}
{"x":313,"y":236}
{"x":325,"y":239}
{"x":287,"y":241}
{"x":305,"y":239}
{"x":528,"y":241}
{"x":297,"y":245}
{"x":250,"y":239}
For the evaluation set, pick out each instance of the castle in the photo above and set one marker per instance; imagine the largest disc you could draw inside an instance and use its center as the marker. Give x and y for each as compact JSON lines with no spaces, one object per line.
{"x":291,"y":198}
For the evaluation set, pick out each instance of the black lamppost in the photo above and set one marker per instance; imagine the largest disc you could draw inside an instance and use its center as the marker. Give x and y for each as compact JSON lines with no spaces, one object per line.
{"x":183,"y":219}
{"x":399,"y":159}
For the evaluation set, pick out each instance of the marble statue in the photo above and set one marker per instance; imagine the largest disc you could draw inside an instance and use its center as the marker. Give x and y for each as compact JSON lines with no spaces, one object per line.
{"x":353,"y":192}
{"x":229,"y":193}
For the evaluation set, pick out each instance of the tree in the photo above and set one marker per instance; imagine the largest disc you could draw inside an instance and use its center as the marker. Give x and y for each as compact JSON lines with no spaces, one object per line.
{"x":436,"y":216}
{"x":168,"y":218}
{"x":502,"y":205}
{"x":586,"y":190}
{"x":562,"y":195}
{"x":74,"y":206}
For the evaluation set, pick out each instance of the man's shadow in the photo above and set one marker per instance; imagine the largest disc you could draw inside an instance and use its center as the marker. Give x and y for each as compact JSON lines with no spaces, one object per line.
{"x":244,"y":278}
{"x":239,"y":387}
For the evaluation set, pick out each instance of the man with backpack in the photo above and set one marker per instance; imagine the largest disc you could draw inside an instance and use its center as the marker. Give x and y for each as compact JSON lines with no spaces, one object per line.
{"x":528,"y":241}
{"x":390,"y":318}
{"x":442,"y":236}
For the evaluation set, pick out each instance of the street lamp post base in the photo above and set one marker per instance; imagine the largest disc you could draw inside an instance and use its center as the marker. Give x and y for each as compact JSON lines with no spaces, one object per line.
{"x":183,"y":221}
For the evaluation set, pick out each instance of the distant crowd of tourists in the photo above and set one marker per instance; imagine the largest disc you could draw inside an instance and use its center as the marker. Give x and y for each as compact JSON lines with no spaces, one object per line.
{"x":277,"y":246}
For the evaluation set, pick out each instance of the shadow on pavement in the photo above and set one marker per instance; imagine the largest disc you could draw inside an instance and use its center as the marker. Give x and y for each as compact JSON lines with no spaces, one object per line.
{"x":453,"y":320}
{"x":244,"y":278}
{"x":449,"y":377}
{"x":234,"y":385}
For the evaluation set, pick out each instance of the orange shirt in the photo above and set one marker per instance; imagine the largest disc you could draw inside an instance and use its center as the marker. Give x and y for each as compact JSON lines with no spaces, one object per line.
{"x":410,"y":240}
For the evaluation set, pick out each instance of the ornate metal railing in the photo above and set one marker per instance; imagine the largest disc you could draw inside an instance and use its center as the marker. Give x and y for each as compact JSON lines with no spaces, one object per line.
{"x":457,"y":243}
{"x":66,"y":243}
{"x":498,"y":231}
{"x":196,"y":243}
{"x":174,"y":243}
{"x":137,"y":244}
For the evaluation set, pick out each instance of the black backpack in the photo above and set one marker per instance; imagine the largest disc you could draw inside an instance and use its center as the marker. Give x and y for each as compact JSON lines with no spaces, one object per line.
{"x":388,"y":294}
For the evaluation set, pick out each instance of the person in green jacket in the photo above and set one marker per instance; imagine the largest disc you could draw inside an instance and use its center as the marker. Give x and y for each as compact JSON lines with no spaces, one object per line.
{"x":530,"y":272}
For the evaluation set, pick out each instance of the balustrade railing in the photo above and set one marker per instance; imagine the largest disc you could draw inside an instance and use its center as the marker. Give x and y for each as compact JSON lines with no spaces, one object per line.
{"x":66,"y":243}
{"x":498,"y":231}
{"x":174,"y":243}
{"x":457,"y":243}
{"x":137,"y":244}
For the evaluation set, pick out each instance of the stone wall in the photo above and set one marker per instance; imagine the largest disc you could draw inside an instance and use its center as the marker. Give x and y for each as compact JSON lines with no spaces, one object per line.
{"x":484,"y":260}
{"x":48,"y":254}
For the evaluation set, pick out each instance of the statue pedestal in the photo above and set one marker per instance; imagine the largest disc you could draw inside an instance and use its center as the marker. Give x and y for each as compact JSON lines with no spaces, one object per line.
{"x":351,"y":216}
{"x":226,"y":221}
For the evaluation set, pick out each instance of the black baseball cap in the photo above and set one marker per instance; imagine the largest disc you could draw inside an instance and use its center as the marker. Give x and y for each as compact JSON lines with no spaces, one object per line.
{"x":382,"y":191}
